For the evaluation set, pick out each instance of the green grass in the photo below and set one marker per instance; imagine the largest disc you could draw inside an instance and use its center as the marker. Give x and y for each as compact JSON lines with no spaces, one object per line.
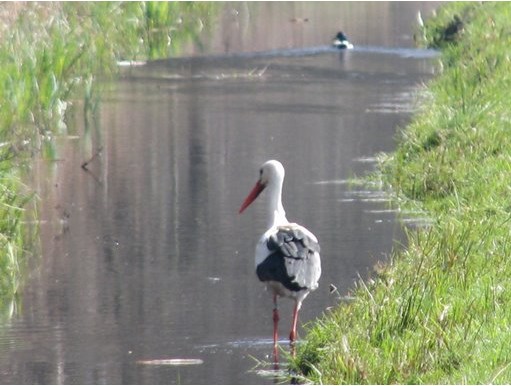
{"x":439,"y":311}
{"x":11,"y":241}
{"x":51,"y":55}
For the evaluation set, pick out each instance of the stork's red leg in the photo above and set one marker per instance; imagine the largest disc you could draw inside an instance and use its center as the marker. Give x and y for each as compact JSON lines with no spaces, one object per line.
{"x":293,"y":334}
{"x":275,"y":330}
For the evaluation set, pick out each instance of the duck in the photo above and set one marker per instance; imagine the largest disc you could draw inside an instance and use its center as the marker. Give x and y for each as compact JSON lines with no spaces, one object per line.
{"x":341,"y":41}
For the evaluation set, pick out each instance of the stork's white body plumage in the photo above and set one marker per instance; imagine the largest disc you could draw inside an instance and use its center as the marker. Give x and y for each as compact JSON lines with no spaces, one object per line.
{"x":305,"y":273}
{"x":287,"y":254}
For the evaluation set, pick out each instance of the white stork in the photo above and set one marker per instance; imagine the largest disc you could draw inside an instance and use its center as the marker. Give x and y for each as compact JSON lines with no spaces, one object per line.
{"x":287,"y":255}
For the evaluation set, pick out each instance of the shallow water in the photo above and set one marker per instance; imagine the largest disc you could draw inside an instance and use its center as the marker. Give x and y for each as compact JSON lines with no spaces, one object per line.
{"x":145,"y":273}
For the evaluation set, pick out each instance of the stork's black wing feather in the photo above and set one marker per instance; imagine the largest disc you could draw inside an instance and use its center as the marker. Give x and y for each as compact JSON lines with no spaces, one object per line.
{"x":293,"y":259}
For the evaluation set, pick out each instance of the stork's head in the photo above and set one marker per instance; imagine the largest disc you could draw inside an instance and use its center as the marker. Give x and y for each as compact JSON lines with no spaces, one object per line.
{"x":271,"y":172}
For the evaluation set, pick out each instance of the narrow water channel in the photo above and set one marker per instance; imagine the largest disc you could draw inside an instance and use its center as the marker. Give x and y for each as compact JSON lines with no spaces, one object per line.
{"x":143,"y":255}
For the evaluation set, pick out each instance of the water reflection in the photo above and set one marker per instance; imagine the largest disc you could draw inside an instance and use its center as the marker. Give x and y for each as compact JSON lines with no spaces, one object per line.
{"x":145,"y":258}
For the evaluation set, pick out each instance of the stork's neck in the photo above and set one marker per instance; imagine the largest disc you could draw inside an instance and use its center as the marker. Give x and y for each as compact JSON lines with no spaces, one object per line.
{"x":276,"y":213}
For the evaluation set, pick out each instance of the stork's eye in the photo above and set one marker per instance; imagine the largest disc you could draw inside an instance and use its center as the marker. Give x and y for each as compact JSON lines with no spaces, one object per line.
{"x":260,"y":172}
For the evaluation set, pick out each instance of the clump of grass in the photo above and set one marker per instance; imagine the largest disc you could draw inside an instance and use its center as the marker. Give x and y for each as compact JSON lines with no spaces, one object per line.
{"x":11,"y":237}
{"x":439,"y":311}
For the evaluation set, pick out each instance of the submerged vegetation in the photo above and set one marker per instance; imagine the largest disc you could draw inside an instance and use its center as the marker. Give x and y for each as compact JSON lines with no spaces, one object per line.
{"x":52,"y":53}
{"x":439,"y":311}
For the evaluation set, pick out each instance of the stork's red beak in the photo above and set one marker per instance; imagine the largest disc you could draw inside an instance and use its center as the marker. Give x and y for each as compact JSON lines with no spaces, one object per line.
{"x":256,"y":190}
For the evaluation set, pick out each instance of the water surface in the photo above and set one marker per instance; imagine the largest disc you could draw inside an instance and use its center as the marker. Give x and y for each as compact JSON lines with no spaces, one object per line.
{"x":144,"y":257}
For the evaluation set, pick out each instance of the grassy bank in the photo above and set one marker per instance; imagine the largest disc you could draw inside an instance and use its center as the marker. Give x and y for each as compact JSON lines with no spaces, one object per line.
{"x":440,"y":312}
{"x":51,"y":54}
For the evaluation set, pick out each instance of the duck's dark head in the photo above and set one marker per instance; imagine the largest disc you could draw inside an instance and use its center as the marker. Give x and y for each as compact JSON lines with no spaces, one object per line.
{"x":341,"y":36}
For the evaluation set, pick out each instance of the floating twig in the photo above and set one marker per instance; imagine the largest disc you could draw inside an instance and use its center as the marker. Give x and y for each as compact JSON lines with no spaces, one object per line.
{"x":171,"y":362}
